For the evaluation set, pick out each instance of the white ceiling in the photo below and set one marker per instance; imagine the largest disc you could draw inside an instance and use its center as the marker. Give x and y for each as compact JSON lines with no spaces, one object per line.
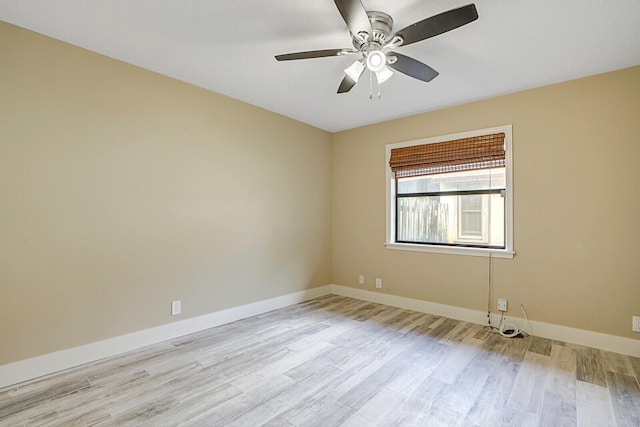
{"x":228,"y":46}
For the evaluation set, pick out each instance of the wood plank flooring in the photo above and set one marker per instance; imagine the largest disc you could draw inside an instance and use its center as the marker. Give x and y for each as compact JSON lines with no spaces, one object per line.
{"x":336,"y":361}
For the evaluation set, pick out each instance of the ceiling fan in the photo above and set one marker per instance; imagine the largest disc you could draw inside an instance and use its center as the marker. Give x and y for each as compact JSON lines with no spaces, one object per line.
{"x":375,"y":44}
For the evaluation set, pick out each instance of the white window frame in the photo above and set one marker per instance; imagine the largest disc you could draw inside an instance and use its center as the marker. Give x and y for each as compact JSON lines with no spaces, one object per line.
{"x":507,"y":252}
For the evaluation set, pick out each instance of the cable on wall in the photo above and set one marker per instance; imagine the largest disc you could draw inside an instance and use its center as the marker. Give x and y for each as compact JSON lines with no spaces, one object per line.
{"x":490,"y":288}
{"x":507,"y":330}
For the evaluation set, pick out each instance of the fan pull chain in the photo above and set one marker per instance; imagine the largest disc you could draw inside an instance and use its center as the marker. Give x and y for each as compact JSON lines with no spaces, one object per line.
{"x":371,"y":86}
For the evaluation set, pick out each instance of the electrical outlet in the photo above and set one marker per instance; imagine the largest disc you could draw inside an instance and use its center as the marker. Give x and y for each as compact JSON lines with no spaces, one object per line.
{"x":502,"y":304}
{"x":361,"y":279}
{"x":378,"y":283}
{"x":636,"y":324}
{"x":176,"y":307}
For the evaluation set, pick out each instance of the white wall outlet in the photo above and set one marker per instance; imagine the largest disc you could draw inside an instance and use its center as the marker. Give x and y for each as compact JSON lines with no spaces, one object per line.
{"x":378,"y":283}
{"x":176,"y":307}
{"x":636,"y":324}
{"x":361,"y":279}
{"x":502,"y":304}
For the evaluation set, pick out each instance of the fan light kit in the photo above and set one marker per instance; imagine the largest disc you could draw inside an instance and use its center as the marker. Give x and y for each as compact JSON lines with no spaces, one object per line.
{"x":372,"y":41}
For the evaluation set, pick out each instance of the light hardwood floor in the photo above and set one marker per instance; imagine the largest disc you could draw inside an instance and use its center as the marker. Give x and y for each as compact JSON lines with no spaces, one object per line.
{"x":339,"y":361}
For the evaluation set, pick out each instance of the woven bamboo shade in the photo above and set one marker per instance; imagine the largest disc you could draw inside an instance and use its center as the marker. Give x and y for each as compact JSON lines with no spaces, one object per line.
{"x":478,"y":152}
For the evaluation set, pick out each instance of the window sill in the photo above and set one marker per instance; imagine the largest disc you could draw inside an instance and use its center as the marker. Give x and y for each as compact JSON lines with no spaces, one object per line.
{"x":452,"y":250}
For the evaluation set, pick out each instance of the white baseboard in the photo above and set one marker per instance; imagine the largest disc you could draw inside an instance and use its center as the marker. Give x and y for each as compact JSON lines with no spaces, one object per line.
{"x":29,"y":369}
{"x":23,"y":370}
{"x":598,"y":340}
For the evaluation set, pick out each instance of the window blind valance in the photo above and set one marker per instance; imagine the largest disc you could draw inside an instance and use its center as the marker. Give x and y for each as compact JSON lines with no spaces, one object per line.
{"x":478,"y":152}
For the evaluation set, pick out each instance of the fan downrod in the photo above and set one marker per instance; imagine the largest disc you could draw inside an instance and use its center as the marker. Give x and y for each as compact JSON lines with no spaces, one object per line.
{"x":381,"y":25}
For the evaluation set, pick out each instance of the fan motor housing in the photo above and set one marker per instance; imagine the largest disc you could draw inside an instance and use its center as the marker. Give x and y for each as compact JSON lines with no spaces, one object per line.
{"x":381,"y":25}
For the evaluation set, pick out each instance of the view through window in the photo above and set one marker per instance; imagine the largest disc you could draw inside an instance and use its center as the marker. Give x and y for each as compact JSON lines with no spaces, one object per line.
{"x":463,"y":208}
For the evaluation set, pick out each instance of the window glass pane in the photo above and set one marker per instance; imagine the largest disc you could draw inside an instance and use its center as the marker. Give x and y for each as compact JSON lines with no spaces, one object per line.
{"x":482,"y":179}
{"x":469,"y":220}
{"x":472,"y":215}
{"x":471,"y":224}
{"x":471,"y":203}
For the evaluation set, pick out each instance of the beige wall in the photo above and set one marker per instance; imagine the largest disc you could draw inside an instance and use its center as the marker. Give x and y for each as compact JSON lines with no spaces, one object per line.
{"x":576,"y":152}
{"x":121,"y":190}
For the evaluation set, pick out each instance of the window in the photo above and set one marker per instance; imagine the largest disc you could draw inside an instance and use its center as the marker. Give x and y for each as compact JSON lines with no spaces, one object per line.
{"x":472,"y":214}
{"x":452,"y":194}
